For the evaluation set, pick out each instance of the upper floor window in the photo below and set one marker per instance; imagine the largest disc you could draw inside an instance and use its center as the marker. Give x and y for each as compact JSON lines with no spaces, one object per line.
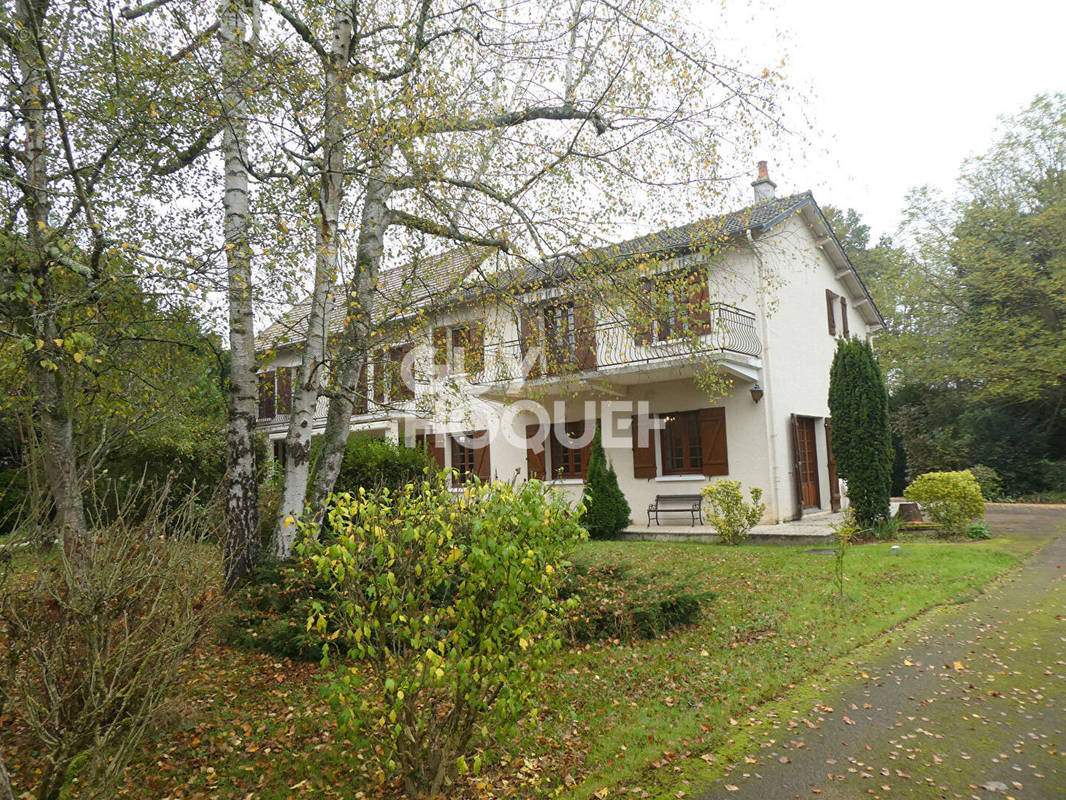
{"x":393,"y":376}
{"x":462,"y":347}
{"x":676,"y":305}
{"x":275,"y":392}
{"x":565,"y":333}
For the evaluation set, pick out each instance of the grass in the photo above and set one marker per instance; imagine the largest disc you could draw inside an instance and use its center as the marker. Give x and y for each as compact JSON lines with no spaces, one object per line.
{"x":611,"y":716}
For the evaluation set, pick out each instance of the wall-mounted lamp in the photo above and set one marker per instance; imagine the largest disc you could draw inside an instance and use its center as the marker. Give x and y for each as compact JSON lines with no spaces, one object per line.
{"x":756,"y":393}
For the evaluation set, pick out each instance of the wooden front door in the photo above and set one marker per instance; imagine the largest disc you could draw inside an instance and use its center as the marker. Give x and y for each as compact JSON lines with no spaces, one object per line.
{"x":807,"y":462}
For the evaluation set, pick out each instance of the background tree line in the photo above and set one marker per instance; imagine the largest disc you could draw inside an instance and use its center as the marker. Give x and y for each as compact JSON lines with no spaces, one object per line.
{"x":973,"y":288}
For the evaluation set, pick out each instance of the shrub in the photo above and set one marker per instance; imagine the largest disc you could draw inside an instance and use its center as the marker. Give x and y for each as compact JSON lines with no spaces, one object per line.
{"x":451,"y":604}
{"x":978,"y":530}
{"x":611,"y":604}
{"x":379,"y":463}
{"x":862,"y":439}
{"x":271,"y":610}
{"x":94,"y":641}
{"x":728,"y":512}
{"x":1054,"y":474}
{"x":883,"y":530}
{"x":988,"y":479}
{"x":606,"y":508}
{"x":951,"y":499}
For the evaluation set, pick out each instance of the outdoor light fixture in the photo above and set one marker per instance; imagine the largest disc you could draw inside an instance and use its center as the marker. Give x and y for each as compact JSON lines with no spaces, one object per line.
{"x":756,"y":393}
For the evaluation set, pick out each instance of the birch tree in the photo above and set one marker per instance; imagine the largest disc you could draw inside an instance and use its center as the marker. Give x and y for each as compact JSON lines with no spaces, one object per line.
{"x":91,"y":127}
{"x":475,"y":128}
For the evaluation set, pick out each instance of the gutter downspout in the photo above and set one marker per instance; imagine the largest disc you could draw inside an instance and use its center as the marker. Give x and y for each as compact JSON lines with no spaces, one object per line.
{"x":771,"y":433}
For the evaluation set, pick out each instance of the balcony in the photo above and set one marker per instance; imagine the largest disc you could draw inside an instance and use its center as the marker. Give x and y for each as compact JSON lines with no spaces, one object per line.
{"x":612,"y":349}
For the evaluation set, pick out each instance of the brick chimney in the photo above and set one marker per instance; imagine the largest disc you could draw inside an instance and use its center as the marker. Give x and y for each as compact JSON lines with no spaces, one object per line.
{"x":764,"y":187}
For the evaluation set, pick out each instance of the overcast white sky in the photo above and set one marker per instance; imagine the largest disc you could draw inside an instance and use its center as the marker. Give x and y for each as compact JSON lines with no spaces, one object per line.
{"x":900,"y":92}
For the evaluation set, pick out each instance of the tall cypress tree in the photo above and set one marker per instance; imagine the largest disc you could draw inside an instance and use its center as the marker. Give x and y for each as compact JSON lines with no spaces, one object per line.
{"x":606,"y":508}
{"x":862,"y":439}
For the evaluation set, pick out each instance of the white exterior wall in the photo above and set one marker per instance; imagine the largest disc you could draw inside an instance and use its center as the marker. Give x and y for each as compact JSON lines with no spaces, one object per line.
{"x":797,"y":352}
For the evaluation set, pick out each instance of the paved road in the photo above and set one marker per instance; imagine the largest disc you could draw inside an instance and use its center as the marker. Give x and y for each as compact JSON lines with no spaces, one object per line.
{"x":971,"y":704}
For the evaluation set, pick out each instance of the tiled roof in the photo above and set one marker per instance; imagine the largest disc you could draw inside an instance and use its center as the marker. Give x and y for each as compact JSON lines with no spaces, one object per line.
{"x":408,"y":286}
{"x":428,"y":279}
{"x":693,"y":236}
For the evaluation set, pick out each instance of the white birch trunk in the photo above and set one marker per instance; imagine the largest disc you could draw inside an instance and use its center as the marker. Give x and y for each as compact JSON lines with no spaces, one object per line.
{"x":331,"y":194}
{"x":242,"y":486}
{"x":352,"y":350}
{"x":51,"y":403}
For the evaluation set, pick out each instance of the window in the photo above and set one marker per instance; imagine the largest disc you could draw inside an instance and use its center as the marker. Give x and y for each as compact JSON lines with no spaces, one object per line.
{"x":682,"y":449}
{"x":679,"y":307}
{"x":830,"y":311}
{"x":560,"y":334}
{"x":568,"y":461}
{"x":462,"y":458}
{"x":275,"y":392}
{"x":471,"y":456}
{"x":469,"y":339}
{"x":281,"y":453}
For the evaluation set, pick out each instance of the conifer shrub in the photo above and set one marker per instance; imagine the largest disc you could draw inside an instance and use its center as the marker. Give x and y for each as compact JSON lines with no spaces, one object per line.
{"x":606,"y":508}
{"x":951,"y":499}
{"x":862,"y":439}
{"x":448,"y":606}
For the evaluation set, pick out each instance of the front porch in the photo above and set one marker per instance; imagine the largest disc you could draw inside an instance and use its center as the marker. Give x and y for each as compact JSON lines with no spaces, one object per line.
{"x":814,"y":529}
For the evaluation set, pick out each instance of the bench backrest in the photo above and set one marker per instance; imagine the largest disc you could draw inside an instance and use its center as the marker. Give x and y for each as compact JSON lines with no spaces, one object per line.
{"x":679,"y":499}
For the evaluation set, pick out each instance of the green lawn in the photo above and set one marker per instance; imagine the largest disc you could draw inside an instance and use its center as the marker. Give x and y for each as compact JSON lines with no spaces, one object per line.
{"x":612,"y":716}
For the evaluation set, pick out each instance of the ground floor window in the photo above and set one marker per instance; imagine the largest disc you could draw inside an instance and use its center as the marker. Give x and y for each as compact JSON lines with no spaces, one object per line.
{"x":682,"y":447}
{"x":568,"y":460}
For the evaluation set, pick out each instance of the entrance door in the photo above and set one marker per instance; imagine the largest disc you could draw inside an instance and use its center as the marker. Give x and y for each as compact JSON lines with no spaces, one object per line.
{"x":807,"y":458}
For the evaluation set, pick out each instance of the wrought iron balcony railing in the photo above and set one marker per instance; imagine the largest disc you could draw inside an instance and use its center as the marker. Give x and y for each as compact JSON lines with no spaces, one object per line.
{"x":615,"y":343}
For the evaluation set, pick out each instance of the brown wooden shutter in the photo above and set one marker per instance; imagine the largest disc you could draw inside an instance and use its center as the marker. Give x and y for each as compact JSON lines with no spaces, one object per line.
{"x":360,"y":404}
{"x":643,"y":457}
{"x":266,"y":395}
{"x":584,"y":336}
{"x":713,"y":441}
{"x":400,"y":384}
{"x":440,"y":346}
{"x":379,"y":377}
{"x":284,"y":390}
{"x":536,"y":448}
{"x":642,"y":316}
{"x":834,"y":483}
{"x":434,"y":446}
{"x":844,"y":316}
{"x":482,"y":457}
{"x":830,"y":314}
{"x":474,"y":348}
{"x":529,"y":335}
{"x":701,"y":301}
{"x":797,"y":474}
{"x":586,"y":451}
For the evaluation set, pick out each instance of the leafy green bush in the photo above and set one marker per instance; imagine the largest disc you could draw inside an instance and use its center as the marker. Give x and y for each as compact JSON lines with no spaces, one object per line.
{"x":606,"y":508}
{"x":451,"y":605}
{"x":862,"y":439}
{"x":379,"y":463}
{"x":883,"y":530}
{"x":978,"y":530}
{"x":988,"y":479}
{"x":1054,"y":475}
{"x":951,"y":499}
{"x":611,"y":604}
{"x":270,"y":611}
{"x":732,"y":517}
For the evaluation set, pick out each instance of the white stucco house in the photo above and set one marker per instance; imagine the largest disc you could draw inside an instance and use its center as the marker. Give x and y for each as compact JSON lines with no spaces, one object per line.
{"x":512,"y":389}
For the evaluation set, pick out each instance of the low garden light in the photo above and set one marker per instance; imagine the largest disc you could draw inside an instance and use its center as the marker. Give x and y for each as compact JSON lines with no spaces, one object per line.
{"x":756,"y":393}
